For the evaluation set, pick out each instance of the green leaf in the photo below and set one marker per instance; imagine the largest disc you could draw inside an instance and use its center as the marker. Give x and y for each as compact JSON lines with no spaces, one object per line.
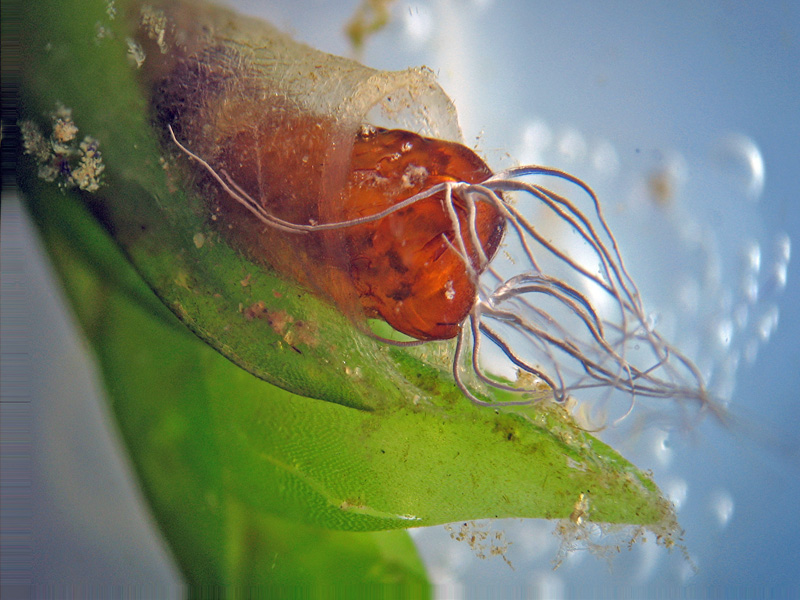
{"x":168,"y":391}
{"x":359,"y":436}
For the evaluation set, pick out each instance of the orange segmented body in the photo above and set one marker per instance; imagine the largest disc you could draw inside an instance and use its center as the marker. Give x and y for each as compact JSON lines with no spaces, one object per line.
{"x":403,"y":266}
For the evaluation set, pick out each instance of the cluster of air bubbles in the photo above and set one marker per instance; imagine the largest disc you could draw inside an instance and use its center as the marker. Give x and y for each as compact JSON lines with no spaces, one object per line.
{"x":542,"y":144}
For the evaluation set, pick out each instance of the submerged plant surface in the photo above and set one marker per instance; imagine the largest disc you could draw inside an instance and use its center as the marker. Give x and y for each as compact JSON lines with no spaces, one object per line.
{"x":277,"y":430}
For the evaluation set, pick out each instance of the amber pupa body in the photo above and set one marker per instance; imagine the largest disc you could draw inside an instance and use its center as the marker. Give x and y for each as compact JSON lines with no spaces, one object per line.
{"x":404,"y":267}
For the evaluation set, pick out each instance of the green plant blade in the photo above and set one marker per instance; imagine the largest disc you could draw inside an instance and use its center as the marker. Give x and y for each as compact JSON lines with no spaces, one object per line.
{"x":160,"y":382}
{"x":307,"y":459}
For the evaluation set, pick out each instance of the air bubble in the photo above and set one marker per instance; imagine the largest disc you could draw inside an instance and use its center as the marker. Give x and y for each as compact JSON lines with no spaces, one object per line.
{"x":605,"y":159}
{"x":661,"y":447}
{"x":725,"y":333}
{"x":722,"y":506}
{"x":768,"y":323}
{"x":677,"y":490}
{"x":779,"y":273}
{"x":536,"y":139}
{"x":780,"y":267}
{"x":750,"y":288}
{"x":784,"y":247}
{"x":572,"y":145}
{"x":725,"y":377}
{"x":740,"y":157}
{"x":418,"y":24}
{"x":752,"y":253}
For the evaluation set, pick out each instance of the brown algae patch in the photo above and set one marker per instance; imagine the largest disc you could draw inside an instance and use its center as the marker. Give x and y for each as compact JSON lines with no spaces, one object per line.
{"x":482,"y":539}
{"x":303,"y":332}
{"x":282,"y":323}
{"x":605,"y":540}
